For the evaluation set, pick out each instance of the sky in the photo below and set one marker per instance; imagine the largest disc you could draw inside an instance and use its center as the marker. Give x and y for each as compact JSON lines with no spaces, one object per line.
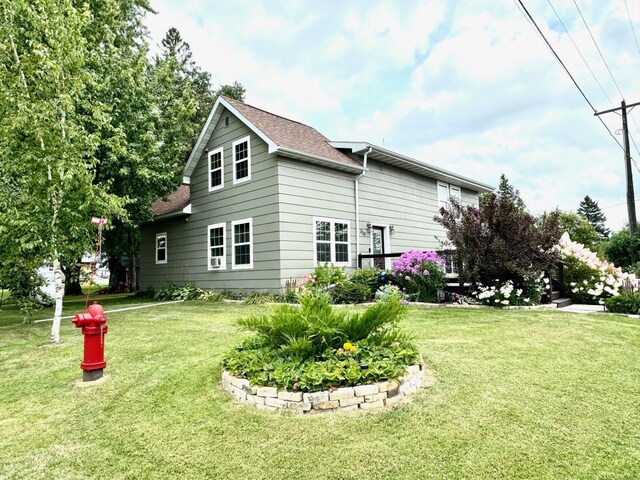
{"x":466,"y":85}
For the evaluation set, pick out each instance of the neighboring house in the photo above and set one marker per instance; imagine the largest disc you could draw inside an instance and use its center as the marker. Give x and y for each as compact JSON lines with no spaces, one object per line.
{"x":265,"y":199}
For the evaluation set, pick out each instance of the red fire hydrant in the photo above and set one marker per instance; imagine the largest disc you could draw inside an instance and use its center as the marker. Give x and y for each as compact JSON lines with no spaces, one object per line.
{"x":94,"y":328}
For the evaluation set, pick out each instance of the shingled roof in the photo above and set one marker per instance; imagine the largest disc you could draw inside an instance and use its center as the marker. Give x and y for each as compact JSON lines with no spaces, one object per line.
{"x":291,"y":134}
{"x":176,"y":201}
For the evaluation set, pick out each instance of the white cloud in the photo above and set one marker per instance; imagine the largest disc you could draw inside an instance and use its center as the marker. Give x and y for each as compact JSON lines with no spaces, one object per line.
{"x":468,"y":86}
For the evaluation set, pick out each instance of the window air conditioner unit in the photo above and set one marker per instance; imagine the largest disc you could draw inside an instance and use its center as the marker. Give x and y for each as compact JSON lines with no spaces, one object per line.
{"x":216,"y":262}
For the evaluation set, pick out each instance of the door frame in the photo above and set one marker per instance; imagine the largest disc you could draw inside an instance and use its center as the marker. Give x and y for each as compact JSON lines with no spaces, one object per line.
{"x":386,"y":239}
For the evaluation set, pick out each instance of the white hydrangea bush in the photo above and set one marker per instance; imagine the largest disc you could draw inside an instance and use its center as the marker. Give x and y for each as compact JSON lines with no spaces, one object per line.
{"x":506,"y":294}
{"x":589,"y":279}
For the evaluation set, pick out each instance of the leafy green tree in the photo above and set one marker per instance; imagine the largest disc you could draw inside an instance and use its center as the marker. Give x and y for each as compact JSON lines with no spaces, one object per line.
{"x":623,"y":249}
{"x":579,"y":229}
{"x":591,"y":211}
{"x":48,"y":136}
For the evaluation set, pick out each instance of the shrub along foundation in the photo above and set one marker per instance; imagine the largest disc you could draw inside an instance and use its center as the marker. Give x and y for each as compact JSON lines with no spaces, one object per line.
{"x":362,"y":397}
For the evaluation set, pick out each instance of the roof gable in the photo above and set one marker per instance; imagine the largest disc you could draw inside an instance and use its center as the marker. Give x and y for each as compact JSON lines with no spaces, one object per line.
{"x":282,"y":135}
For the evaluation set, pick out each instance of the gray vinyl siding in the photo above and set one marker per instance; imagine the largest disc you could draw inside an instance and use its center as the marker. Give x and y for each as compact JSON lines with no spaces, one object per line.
{"x":393,"y":196}
{"x":187,"y":241}
{"x":307,"y":191}
{"x":282,"y":198}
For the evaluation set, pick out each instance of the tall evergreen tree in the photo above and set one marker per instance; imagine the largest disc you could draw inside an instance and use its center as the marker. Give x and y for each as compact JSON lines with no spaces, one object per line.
{"x":591,"y":211}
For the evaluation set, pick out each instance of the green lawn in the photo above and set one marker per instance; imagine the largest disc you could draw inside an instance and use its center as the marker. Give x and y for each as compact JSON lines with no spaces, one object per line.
{"x":519,"y":394}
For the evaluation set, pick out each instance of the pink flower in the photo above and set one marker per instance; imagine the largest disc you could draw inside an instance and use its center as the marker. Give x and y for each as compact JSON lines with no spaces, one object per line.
{"x":425,"y":273}
{"x":407,"y":277}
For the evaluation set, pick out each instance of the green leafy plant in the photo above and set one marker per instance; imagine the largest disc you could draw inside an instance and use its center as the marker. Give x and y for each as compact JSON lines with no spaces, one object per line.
{"x":260,"y":298}
{"x":369,"y":277}
{"x":350,"y":293}
{"x":627,"y":302}
{"x":314,"y":346}
{"x":390,"y":292}
{"x":325,"y":275}
{"x":212,"y":296}
{"x":178,"y":292}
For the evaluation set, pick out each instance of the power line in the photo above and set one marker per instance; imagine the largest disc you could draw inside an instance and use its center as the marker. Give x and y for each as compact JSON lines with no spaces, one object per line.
{"x":528,"y":16}
{"x":636,"y":147}
{"x":579,"y":52}
{"x":632,"y":28}
{"x":587,"y":63}
{"x":599,"y":51}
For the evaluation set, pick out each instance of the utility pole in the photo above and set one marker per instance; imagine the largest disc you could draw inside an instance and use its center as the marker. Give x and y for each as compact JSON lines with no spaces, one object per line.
{"x":631,"y":200}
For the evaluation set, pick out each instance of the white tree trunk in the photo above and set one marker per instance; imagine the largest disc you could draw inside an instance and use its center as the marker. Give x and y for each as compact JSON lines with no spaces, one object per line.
{"x":57,"y":315}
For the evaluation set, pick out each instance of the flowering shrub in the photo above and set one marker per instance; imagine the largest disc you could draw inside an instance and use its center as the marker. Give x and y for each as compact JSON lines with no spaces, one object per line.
{"x":420,"y":274}
{"x":506,"y":294}
{"x":590,"y":279}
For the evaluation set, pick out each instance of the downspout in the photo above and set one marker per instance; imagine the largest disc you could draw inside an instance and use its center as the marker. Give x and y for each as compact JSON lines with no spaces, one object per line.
{"x":355,"y":184}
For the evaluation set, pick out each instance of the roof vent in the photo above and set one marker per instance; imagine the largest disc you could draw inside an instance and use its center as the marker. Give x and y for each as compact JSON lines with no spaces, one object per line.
{"x":226,"y":121}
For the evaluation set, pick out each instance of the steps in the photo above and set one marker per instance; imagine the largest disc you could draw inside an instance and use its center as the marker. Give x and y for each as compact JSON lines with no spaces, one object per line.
{"x":560,"y":302}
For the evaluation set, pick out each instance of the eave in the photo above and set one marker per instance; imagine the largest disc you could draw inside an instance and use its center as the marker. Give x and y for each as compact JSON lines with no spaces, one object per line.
{"x":413,"y":165}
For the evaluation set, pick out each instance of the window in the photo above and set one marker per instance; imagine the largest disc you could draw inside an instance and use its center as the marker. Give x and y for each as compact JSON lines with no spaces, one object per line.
{"x":331,"y":241}
{"x":161,"y":248}
{"x":450,"y":267}
{"x":216,"y":169}
{"x":242,"y":238}
{"x":216,"y":256}
{"x":446,"y":191}
{"x":241,"y":160}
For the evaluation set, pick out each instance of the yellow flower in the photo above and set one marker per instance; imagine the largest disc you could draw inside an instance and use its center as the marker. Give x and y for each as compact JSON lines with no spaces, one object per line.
{"x":349,"y":346}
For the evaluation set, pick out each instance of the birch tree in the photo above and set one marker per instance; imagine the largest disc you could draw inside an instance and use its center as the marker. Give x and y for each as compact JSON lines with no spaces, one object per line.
{"x":49,"y":126}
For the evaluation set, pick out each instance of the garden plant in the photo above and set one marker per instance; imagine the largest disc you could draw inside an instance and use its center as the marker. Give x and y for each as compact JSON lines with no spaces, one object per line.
{"x":419,"y":274}
{"x":502,"y":248}
{"x":590,"y":279}
{"x":315,"y":347}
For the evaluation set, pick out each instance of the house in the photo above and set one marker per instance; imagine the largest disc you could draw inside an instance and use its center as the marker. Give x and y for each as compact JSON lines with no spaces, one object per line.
{"x":265,"y":199}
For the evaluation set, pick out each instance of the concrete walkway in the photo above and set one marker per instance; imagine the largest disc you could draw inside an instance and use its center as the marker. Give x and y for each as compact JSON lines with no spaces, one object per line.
{"x":579,"y":308}
{"x":136,"y":307}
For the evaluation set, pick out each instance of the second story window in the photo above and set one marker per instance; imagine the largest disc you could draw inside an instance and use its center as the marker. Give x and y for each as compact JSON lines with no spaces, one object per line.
{"x":445,"y":192}
{"x":242,"y":160}
{"x":216,"y":169}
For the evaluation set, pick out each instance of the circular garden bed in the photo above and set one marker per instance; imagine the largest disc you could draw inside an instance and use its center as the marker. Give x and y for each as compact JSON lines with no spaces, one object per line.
{"x":316,"y":358}
{"x":343,"y":399}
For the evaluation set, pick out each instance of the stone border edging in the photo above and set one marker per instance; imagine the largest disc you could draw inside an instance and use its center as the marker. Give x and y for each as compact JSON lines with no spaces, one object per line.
{"x":362,"y":397}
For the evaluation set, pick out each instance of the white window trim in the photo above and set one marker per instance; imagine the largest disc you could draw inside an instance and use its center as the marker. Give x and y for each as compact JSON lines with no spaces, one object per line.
{"x":209,"y":155}
{"x":450,"y":189}
{"x":223,"y":264}
{"x":332,"y":222}
{"x":233,"y":151}
{"x":166,"y":251}
{"x":249,"y":265}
